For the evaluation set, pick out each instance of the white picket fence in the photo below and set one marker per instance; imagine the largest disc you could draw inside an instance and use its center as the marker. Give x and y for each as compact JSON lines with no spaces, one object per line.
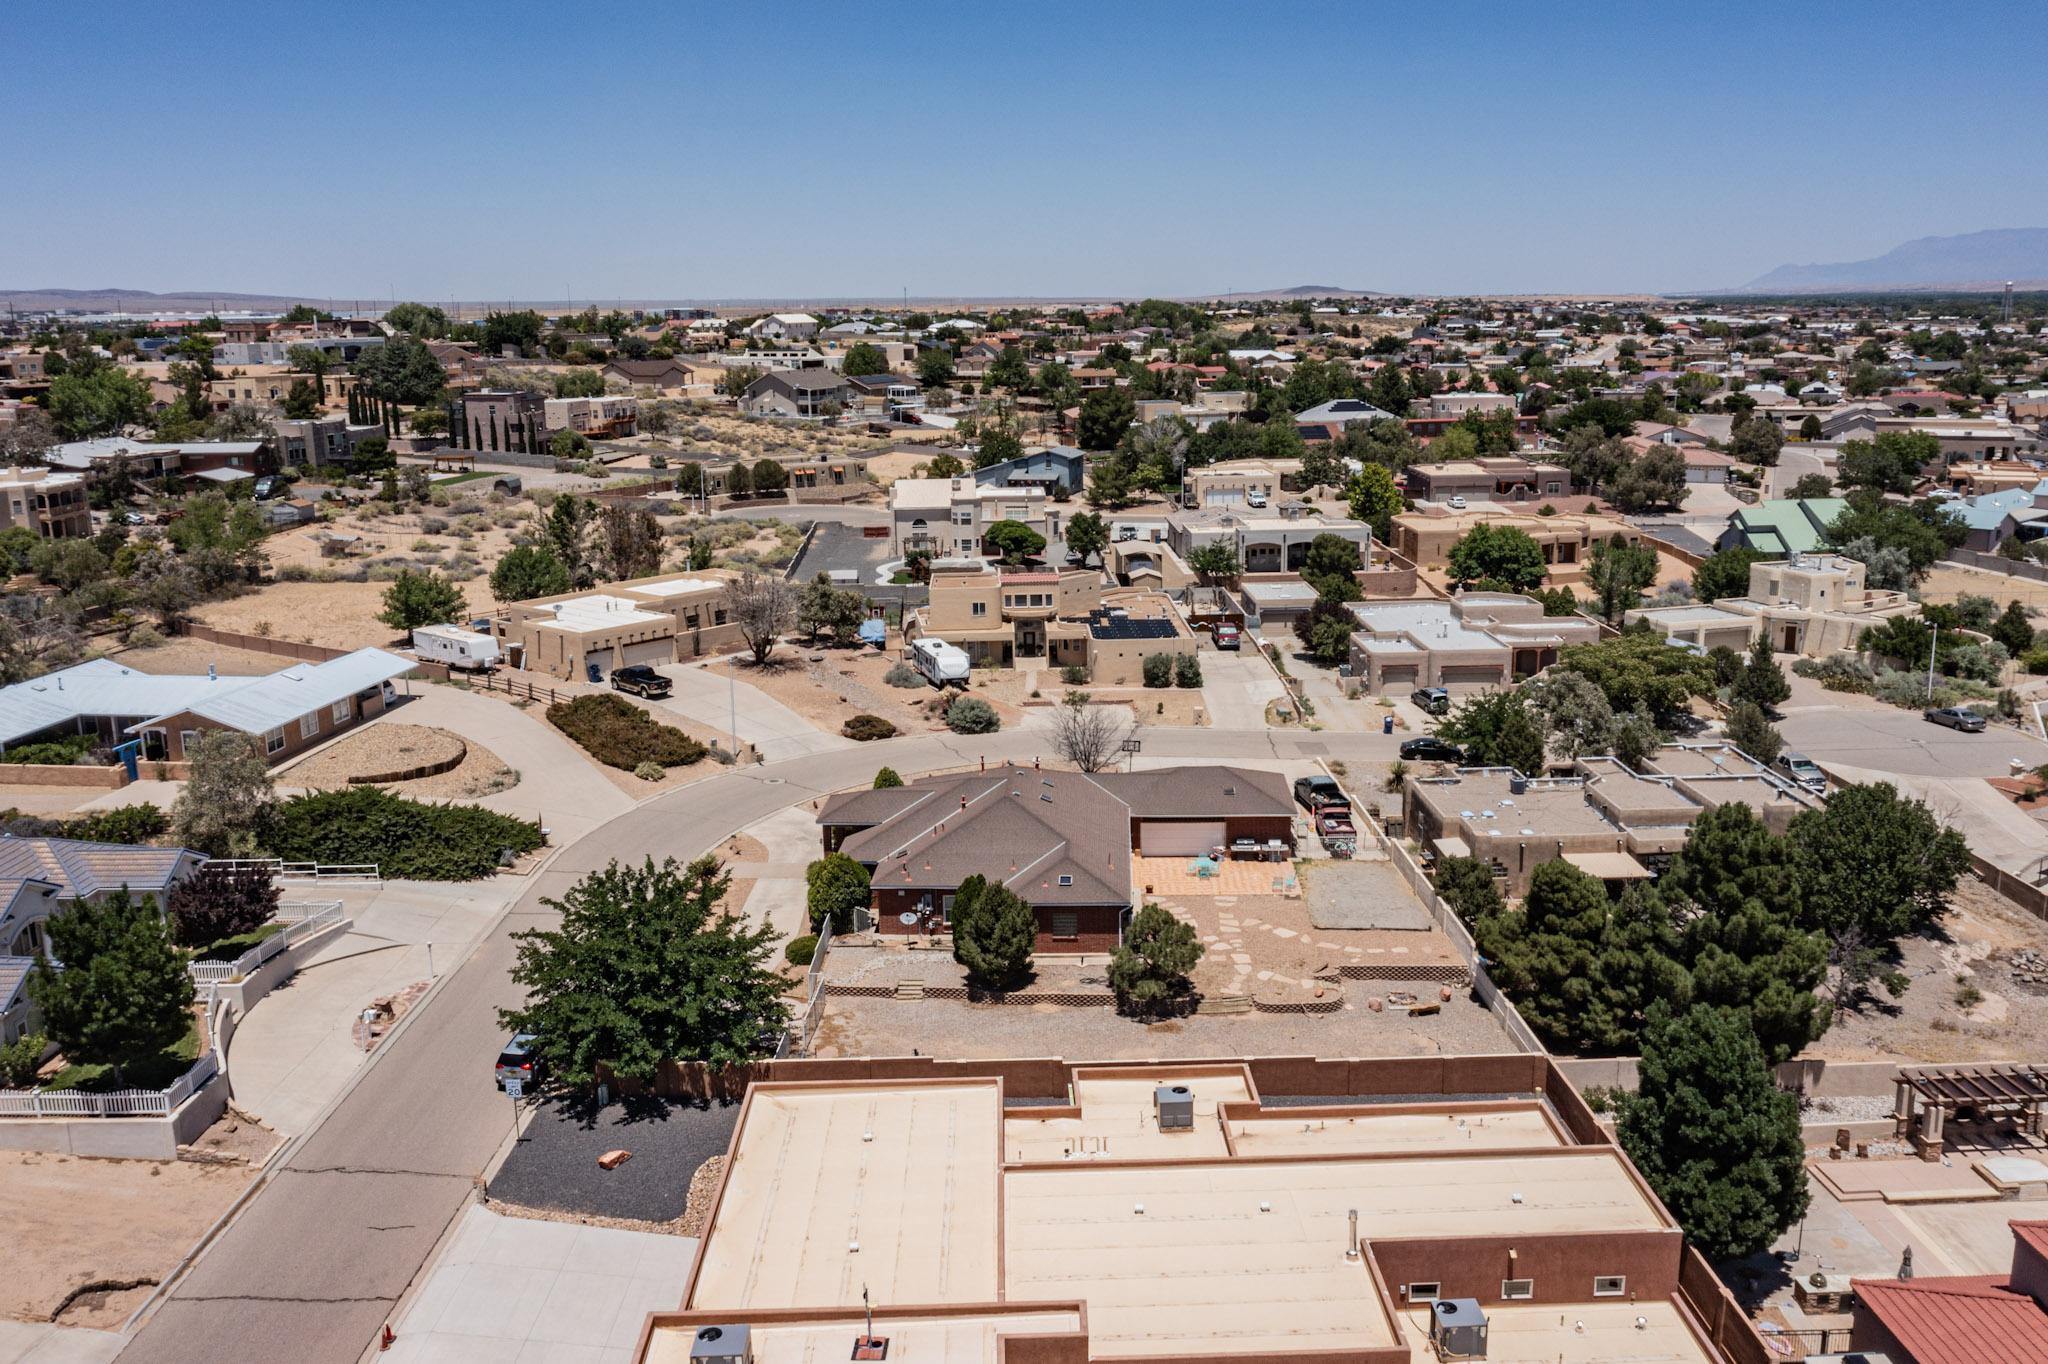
{"x":125,"y":1103}
{"x":301,"y":919}
{"x":345,"y":873}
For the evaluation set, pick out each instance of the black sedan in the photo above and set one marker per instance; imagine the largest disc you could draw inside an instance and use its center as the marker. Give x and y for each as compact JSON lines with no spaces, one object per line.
{"x":1431,"y":750}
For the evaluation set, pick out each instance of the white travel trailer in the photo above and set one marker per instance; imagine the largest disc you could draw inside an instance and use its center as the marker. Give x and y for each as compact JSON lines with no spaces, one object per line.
{"x":940,"y":662}
{"x":455,"y":646}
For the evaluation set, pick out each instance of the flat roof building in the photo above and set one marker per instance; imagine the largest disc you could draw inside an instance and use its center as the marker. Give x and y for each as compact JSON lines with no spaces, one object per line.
{"x":1424,"y":538}
{"x":649,"y":621}
{"x":1039,"y":1211}
{"x":1475,"y":639}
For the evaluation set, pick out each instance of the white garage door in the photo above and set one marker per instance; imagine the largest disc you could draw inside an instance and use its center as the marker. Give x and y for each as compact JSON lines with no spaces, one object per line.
{"x":1163,"y":838}
{"x":1223,"y":497}
{"x":652,"y":652}
{"x":600,"y":659}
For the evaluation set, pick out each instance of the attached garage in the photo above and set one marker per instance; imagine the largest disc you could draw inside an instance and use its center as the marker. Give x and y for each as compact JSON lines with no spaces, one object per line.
{"x":1180,"y":838}
{"x":597,"y":663}
{"x":651,"y":652}
{"x":1473,"y":673}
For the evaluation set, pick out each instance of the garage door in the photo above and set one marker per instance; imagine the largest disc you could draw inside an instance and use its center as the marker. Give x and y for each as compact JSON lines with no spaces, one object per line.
{"x":1223,"y":497}
{"x":1488,"y":673}
{"x":597,"y":663}
{"x":1164,"y":838}
{"x":652,"y":652}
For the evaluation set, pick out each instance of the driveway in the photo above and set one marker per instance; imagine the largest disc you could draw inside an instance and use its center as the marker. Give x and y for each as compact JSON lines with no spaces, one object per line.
{"x":773,"y":728}
{"x":1236,"y":685}
{"x":527,"y":1292}
{"x":1832,"y":728}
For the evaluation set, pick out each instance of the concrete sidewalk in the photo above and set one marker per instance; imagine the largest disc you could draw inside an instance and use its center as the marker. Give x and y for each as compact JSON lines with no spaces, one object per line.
{"x":296,"y":1049}
{"x":710,"y":697}
{"x":29,"y":1342}
{"x":528,"y":1292}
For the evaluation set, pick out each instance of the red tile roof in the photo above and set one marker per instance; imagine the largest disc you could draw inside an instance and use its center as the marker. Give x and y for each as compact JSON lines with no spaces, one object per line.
{"x":2034,"y":1234}
{"x":1966,"y":1319}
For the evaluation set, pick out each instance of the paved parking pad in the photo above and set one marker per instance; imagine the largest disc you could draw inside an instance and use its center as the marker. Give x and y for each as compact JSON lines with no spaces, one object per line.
{"x":554,"y":1166}
{"x":514,"y":1289}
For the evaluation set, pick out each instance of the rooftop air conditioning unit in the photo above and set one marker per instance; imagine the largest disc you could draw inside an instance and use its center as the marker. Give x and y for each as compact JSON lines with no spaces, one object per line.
{"x":1175,"y":1107}
{"x":1517,"y":784}
{"x":721,"y":1345}
{"x":1457,"y":1328}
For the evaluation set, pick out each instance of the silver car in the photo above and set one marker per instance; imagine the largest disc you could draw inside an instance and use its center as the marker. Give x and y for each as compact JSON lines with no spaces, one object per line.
{"x":1955,"y":717}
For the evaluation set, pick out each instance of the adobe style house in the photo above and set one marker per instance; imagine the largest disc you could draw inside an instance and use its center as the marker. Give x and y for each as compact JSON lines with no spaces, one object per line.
{"x":1064,"y":842}
{"x":1476,"y":639}
{"x":586,"y":634}
{"x":1065,"y":617}
{"x":1810,"y":604}
{"x":51,"y":504}
{"x":947,"y":517}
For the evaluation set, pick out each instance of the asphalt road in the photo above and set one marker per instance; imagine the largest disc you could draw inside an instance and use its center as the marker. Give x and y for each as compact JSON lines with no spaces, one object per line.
{"x":316,"y":1262}
{"x":1890,"y":740}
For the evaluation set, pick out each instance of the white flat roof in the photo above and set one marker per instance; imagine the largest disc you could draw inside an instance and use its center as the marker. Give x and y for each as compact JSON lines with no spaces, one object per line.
{"x":600,"y":612}
{"x":676,"y":587}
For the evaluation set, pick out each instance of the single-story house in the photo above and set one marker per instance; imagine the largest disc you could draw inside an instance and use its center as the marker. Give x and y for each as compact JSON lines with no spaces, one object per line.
{"x":1064,"y":842}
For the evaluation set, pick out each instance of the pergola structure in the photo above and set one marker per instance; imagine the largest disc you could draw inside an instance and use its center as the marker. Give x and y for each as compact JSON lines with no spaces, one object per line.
{"x":449,"y":459}
{"x":1938,"y":1091}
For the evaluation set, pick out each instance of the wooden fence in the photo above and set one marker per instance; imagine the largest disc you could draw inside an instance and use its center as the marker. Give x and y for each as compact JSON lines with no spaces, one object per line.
{"x":261,"y":644}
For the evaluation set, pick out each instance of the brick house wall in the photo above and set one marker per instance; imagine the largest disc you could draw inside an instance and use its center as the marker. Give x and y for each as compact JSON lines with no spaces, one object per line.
{"x":1080,"y":928}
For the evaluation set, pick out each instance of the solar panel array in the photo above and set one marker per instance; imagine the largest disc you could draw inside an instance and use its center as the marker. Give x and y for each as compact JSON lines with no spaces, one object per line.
{"x":1102,"y":625}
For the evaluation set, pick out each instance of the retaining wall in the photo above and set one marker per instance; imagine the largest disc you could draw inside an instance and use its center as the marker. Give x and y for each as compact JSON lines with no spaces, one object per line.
{"x":120,"y":1138}
{"x":63,"y":774}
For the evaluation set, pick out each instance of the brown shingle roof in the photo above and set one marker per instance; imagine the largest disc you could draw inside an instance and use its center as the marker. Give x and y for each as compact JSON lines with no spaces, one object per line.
{"x":1199,"y":792}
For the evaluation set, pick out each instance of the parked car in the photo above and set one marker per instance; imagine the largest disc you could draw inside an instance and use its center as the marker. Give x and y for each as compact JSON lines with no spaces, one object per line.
{"x":1430,"y":749}
{"x":1124,"y":533}
{"x":1455,"y":502}
{"x":641,"y":680}
{"x":1801,"y":770}
{"x":1955,"y":717}
{"x":1228,"y":636}
{"x":1431,"y":700}
{"x":1314,"y":792}
{"x":519,"y":1060}
{"x":1073,"y":557}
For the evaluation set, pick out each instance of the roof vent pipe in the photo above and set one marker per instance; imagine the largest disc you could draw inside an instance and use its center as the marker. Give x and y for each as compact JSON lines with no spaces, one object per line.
{"x":1351,"y":1239}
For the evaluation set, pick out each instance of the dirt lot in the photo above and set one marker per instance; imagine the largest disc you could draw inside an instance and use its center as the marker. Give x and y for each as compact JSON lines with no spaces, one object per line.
{"x":1930,"y":1022}
{"x":1946,"y":584}
{"x":826,"y":686}
{"x":1148,"y":705}
{"x":192,"y":657}
{"x":338,"y":615}
{"x":395,"y":747}
{"x":73,"y":1222}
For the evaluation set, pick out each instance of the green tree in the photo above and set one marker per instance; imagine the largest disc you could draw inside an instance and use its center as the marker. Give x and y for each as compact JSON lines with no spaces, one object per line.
{"x":1467,"y":885}
{"x":1500,"y":554}
{"x":228,"y":799}
{"x":995,"y":943}
{"x":885,"y":778}
{"x":863,"y":359}
{"x":1892,"y":463}
{"x":1013,"y":540}
{"x":1757,"y":442}
{"x":96,"y":402}
{"x":770,"y":476}
{"x":2014,"y":629}
{"x":945,"y":464}
{"x":1809,"y":486}
{"x":416,"y":599}
{"x":1875,"y":861}
{"x":1325,"y":630}
{"x":567,"y":445}
{"x":519,"y":331}
{"x":1575,"y":714}
{"x":1750,"y":730}
{"x":998,"y":445}
{"x":1714,"y":1135}
{"x":1641,"y":669}
{"x":1106,"y":414}
{"x":644,"y":969}
{"x":401,"y":371}
{"x":302,"y":400}
{"x":1087,"y":536}
{"x":1725,"y":574}
{"x":1656,"y":479}
{"x":1544,"y":953}
{"x":123,"y":993}
{"x":935,"y":367}
{"x":1149,"y":972}
{"x":1496,"y":730}
{"x":419,"y":319}
{"x":1011,"y":369}
{"x":1331,"y":567}
{"x":836,"y":887}
{"x":1375,"y":500}
{"x":1763,"y":682}
{"x":529,"y":571}
{"x":1216,"y":562}
{"x":965,"y":915}
{"x":1618,"y":572}
{"x":566,"y":531}
{"x":1810,"y":429}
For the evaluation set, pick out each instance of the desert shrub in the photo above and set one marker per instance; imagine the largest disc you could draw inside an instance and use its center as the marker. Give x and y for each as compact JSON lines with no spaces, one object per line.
{"x":903,"y":675}
{"x":143,"y":635}
{"x":64,"y":752}
{"x":122,"y":824}
{"x":799,"y":951}
{"x":1837,"y":673}
{"x":2035,"y":661}
{"x":19,"y":1059}
{"x":1074,"y":676}
{"x":1187,"y":671}
{"x":408,"y":839}
{"x":650,"y":771}
{"x":972,"y":715}
{"x":1158,"y":670}
{"x":868,"y":727}
{"x":619,"y":734}
{"x":433,"y":525}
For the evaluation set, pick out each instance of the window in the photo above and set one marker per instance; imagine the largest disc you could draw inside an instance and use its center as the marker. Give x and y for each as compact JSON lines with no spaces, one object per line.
{"x":1609,"y":1285}
{"x":309,"y":725}
{"x":1424,"y":1292}
{"x":1517,"y":1290}
{"x":1066,"y":880}
{"x":273,"y":741}
{"x":187,"y":740}
{"x":1066,"y":926}
{"x":340,"y":711}
{"x":980,"y":609}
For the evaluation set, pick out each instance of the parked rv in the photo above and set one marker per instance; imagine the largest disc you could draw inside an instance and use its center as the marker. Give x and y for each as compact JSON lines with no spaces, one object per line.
{"x":455,"y":646}
{"x":941,"y":663}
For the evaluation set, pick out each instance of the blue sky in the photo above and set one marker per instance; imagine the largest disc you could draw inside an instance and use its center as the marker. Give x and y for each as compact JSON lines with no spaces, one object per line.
{"x":670,"y":151}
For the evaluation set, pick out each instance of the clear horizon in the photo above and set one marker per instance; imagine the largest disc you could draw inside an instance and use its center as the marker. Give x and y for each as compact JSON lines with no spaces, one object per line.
{"x":1068,"y":152}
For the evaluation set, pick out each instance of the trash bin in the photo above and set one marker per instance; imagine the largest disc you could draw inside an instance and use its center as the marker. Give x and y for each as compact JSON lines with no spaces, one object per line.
{"x":1386,"y":724}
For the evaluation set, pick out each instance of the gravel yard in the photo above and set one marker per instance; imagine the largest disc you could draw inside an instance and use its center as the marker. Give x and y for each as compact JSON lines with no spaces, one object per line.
{"x":554,"y":1167}
{"x":384,"y":748}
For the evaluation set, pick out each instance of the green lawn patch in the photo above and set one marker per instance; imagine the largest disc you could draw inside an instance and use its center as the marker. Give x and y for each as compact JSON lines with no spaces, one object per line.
{"x":144,"y":1072}
{"x":463,"y":478}
{"x":227,"y":949}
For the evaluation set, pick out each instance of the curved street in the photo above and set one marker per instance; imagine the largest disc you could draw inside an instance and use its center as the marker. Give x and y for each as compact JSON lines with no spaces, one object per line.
{"x":317,"y":1260}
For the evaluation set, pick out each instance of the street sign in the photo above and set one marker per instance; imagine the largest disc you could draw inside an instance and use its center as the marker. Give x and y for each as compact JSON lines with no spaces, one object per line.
{"x":514,"y":1087}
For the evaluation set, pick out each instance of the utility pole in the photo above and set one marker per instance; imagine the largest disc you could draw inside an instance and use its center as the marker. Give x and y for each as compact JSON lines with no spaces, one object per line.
{"x":1932,"y":640}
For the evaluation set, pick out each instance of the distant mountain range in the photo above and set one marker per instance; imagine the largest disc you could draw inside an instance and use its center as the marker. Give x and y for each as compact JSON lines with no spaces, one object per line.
{"x":1973,"y":261}
{"x":134,"y":300}
{"x":1301,"y":291}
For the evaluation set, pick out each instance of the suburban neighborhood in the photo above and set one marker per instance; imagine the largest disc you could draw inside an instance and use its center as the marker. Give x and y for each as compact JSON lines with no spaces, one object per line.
{"x":729,"y":762}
